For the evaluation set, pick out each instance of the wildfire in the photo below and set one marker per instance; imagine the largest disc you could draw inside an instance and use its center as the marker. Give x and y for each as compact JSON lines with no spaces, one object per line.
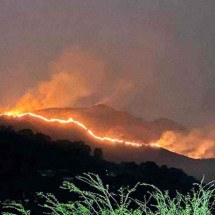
{"x":16,"y":114}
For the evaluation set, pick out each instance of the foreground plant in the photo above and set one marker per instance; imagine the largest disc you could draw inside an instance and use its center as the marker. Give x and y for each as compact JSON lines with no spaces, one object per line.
{"x":16,"y":207}
{"x":101,"y":201}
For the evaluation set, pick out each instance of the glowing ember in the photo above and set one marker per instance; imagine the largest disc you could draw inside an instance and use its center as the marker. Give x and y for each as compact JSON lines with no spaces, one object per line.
{"x":15,"y":114}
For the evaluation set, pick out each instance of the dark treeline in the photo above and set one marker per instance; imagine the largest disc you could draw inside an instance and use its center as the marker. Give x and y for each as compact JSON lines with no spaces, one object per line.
{"x":32,"y":162}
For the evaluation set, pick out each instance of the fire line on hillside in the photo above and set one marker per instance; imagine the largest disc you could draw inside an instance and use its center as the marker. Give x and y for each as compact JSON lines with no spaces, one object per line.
{"x":82,"y":126}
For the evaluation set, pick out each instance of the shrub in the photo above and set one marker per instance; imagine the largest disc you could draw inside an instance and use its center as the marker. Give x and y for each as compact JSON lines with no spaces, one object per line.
{"x":101,"y":201}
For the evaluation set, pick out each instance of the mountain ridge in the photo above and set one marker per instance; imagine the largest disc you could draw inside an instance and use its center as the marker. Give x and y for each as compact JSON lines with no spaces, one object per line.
{"x":115,"y":123}
{"x":112,"y":152}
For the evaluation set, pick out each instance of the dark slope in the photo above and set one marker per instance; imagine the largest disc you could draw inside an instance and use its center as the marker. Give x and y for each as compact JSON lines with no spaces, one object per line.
{"x":118,"y":153}
{"x":32,"y":162}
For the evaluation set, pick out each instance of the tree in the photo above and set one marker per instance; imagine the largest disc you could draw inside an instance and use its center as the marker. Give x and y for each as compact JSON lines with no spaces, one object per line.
{"x":98,"y":153}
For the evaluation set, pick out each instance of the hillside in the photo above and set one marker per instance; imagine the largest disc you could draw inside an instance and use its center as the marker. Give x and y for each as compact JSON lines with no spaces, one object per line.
{"x":110,"y":122}
{"x":103,"y":118}
{"x":32,"y":162}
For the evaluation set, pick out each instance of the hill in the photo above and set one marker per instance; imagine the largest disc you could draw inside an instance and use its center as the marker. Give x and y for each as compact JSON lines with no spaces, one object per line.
{"x":108,"y":121}
{"x":32,"y":162}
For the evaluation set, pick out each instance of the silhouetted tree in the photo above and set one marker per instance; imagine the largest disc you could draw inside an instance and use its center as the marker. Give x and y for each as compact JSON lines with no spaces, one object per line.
{"x":98,"y":153}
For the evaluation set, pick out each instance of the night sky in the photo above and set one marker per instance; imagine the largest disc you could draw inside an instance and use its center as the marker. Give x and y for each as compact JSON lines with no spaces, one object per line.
{"x":153,"y":58}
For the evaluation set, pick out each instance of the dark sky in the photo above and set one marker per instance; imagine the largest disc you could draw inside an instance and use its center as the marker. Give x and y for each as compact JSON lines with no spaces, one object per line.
{"x":153,"y":58}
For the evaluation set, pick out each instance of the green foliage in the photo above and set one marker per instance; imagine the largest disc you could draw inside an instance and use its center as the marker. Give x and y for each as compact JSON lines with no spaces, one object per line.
{"x":199,"y":201}
{"x":16,"y":207}
{"x":101,"y":201}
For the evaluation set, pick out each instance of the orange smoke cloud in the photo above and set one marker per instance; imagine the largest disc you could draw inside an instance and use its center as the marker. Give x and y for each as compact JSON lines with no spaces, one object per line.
{"x":74,"y":76}
{"x":77,"y":75}
{"x":198,"y":143}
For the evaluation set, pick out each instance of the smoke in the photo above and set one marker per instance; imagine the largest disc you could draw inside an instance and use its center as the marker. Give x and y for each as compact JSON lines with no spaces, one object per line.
{"x":123,"y":89}
{"x":80,"y":78}
{"x":197,"y":143}
{"x":75,"y":76}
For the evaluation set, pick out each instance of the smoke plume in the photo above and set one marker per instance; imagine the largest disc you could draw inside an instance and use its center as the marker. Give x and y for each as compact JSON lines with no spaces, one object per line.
{"x":197,"y":143}
{"x":75,"y":75}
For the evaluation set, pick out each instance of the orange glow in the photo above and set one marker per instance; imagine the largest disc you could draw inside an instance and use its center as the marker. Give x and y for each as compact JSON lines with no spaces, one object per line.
{"x":15,"y":114}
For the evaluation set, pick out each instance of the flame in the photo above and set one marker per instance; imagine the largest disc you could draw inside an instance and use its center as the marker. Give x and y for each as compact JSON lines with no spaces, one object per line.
{"x":16,"y":114}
